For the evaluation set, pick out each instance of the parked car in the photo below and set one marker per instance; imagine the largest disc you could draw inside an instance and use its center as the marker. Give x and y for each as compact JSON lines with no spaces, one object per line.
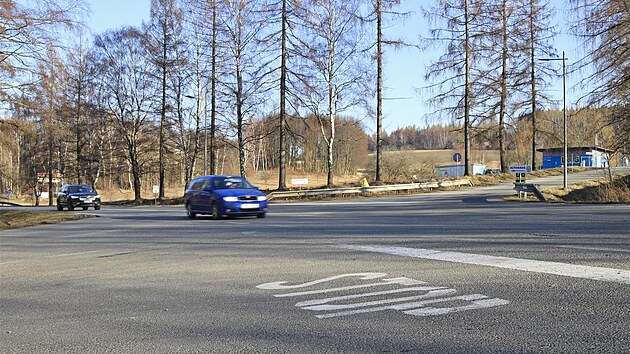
{"x":492,"y":171}
{"x":221,"y":196}
{"x":77,"y":196}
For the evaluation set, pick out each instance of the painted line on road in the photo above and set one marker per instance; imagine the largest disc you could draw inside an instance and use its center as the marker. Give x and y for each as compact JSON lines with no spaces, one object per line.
{"x":568,"y":270}
{"x":607,"y":249}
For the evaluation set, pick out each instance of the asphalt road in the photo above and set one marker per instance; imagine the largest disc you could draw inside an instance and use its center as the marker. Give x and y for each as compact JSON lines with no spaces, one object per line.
{"x":447,"y":272}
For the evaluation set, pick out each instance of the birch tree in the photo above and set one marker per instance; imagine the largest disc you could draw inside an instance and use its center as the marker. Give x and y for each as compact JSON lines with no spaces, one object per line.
{"x":248,"y":66}
{"x":334,"y":71}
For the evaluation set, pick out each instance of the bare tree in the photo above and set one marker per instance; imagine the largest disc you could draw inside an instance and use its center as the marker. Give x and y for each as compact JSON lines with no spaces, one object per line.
{"x":605,"y":28}
{"x":248,"y":76}
{"x":334,"y":73}
{"x":532,"y":33}
{"x":456,"y":72}
{"x":25,"y":35}
{"x":382,"y":7}
{"x":127,"y":79}
{"x":164,"y":33}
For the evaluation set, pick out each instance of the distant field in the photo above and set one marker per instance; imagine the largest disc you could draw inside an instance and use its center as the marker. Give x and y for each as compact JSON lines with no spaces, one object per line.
{"x":445,"y":157}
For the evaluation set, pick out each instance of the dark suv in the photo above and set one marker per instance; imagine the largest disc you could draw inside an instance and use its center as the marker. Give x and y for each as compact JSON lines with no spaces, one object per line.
{"x":77,"y":195}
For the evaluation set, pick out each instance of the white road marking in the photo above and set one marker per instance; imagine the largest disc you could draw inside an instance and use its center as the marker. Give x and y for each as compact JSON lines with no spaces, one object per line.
{"x":594,"y":248}
{"x":408,"y":308}
{"x":568,"y":270}
{"x":434,"y":292}
{"x":278,"y":285}
{"x":400,"y":281}
{"x":475,"y":305}
{"x":407,"y":304}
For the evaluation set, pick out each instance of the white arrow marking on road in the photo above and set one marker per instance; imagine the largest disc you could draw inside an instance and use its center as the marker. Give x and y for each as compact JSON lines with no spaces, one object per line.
{"x":400,"y":281}
{"x":416,"y":305}
{"x":475,"y":305}
{"x":430,"y":293}
{"x":568,"y":270}
{"x":278,"y":285}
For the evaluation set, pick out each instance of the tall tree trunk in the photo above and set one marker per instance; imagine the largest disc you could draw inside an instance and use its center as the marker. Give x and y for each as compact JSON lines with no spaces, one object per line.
{"x":283,"y":87}
{"x":50,"y":170}
{"x":135,"y":173}
{"x":213,"y":84}
{"x":467,"y":93}
{"x":240,"y":119}
{"x":331,"y":109}
{"x":163,"y":115}
{"x":379,"y":92}
{"x":78,"y":146}
{"x":503,"y":102}
{"x":532,"y":33}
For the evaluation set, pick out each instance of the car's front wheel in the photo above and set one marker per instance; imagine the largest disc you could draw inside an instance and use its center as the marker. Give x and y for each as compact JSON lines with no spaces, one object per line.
{"x":189,"y":212}
{"x":97,"y":207}
{"x":59,"y":206}
{"x":216,"y":214}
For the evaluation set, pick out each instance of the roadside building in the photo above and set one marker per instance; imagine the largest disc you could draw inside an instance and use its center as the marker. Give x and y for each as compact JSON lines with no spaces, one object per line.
{"x":584,"y":156}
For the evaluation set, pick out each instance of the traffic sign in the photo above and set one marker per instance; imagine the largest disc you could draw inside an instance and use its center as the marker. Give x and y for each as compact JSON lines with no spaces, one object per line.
{"x":457,"y":157}
{"x":520,"y":169}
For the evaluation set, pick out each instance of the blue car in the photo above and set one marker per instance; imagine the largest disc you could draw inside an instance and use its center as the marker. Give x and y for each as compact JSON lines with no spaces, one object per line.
{"x":221,"y":196}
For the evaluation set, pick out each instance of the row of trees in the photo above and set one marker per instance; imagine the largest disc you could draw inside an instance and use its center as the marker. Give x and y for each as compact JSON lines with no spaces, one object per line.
{"x":490,"y":73}
{"x":588,"y":128}
{"x":206,"y":84}
{"x":197,"y":79}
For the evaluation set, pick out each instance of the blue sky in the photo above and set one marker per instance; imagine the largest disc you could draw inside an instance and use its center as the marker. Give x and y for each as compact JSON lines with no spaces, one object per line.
{"x":403,"y":70}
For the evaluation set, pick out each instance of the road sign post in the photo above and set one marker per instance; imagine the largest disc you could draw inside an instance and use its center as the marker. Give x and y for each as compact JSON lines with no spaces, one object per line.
{"x":457,"y":157}
{"x":520,"y":171}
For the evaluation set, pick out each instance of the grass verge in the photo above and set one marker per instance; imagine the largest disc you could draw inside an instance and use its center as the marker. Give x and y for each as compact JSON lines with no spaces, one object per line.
{"x":601,"y":191}
{"x":14,"y":219}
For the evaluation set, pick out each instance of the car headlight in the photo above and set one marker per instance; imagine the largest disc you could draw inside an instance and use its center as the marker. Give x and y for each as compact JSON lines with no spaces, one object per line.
{"x":261,"y":198}
{"x":74,"y":197}
{"x":230,"y":199}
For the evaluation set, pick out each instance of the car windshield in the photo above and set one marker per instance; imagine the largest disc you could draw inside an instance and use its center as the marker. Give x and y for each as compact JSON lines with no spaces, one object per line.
{"x":231,"y":183}
{"x":79,"y":189}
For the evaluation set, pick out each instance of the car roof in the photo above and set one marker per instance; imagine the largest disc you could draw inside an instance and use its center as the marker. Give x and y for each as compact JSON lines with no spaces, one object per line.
{"x":214,"y":176}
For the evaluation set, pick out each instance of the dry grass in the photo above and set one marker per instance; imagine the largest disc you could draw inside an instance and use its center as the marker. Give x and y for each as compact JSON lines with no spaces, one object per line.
{"x":13,"y":219}
{"x":445,"y":157}
{"x":601,"y":191}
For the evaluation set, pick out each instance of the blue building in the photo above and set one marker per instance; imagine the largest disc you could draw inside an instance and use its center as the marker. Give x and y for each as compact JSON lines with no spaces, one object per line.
{"x":584,"y":156}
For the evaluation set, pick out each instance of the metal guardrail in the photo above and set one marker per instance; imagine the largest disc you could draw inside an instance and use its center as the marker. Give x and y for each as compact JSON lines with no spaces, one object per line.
{"x":529,"y":188}
{"x":367,"y":190}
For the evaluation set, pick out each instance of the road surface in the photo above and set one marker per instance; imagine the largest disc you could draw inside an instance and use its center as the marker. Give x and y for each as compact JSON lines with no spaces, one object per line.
{"x":449,"y":272}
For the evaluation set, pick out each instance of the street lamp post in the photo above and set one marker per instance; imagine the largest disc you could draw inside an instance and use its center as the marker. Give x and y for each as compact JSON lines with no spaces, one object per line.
{"x":564,"y":115}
